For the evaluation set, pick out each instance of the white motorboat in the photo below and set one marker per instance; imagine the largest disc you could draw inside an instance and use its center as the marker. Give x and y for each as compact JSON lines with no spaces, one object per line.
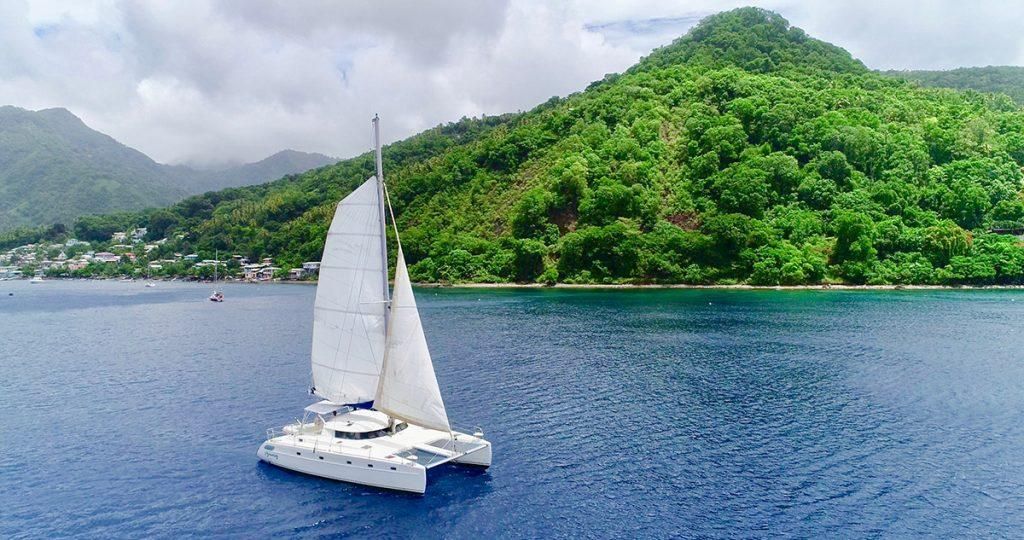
{"x":382,"y":421}
{"x":37,"y":279}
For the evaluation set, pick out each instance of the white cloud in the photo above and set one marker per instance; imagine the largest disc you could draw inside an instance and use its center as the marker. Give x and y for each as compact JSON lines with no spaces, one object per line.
{"x":234,"y":80}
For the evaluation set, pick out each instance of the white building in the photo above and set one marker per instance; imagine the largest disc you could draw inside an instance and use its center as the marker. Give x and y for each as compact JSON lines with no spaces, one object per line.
{"x":106,"y":257}
{"x":259,"y":272}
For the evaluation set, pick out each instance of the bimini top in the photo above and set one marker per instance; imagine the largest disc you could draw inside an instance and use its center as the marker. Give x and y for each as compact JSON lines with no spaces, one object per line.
{"x":327,"y":408}
{"x":358,"y":421}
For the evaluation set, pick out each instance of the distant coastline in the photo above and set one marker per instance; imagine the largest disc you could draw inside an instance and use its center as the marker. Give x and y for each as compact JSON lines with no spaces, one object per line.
{"x":598,"y":286}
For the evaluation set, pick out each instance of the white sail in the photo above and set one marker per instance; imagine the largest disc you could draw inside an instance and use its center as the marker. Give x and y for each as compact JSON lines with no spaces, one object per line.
{"x":351,"y":303}
{"x":408,"y":387}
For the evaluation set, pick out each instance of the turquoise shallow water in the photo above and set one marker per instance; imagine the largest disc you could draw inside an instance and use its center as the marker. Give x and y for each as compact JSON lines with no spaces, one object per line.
{"x":134,"y":412}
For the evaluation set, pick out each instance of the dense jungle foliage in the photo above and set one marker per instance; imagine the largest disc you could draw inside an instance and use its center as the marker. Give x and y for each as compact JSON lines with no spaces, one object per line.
{"x":744,"y":152}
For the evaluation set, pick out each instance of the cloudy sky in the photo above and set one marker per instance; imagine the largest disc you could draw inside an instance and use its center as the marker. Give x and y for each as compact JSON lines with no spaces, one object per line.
{"x":207,"y":82}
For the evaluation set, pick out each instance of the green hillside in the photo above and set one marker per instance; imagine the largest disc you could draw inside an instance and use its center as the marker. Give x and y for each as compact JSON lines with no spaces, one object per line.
{"x":54,"y":168}
{"x":745,"y":151}
{"x":1007,"y":80}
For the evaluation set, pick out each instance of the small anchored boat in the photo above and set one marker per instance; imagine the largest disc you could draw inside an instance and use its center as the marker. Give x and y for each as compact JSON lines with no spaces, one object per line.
{"x":382,"y":421}
{"x":216,"y":296}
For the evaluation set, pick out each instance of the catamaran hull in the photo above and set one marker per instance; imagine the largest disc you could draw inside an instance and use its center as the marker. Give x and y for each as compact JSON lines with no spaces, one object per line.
{"x":368,"y":472}
{"x":479,"y":457}
{"x":298,"y":454}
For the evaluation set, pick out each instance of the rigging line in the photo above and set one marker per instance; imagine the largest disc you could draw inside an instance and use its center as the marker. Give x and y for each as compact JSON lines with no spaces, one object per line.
{"x":391,"y":210}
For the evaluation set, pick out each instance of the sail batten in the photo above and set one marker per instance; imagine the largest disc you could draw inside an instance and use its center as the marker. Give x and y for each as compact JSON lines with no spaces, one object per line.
{"x":350,"y":311}
{"x":408,"y":387}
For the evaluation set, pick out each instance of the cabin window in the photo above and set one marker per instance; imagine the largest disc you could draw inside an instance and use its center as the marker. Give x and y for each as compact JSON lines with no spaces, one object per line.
{"x":368,"y":434}
{"x":362,"y":435}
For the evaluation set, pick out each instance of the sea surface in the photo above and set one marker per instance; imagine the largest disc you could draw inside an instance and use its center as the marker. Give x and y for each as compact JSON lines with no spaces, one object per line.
{"x":132,"y":412}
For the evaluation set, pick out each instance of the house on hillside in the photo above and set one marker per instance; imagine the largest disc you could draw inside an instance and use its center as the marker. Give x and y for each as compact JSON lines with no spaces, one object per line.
{"x":259,"y":272}
{"x":309,"y":269}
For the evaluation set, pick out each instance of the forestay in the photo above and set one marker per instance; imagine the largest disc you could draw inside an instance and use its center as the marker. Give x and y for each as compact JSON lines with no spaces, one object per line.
{"x":351,"y":306}
{"x":408,"y":387}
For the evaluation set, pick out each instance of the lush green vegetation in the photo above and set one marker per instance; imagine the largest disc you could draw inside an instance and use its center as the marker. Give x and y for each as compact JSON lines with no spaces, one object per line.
{"x":743,"y":152}
{"x":1007,"y":80}
{"x":31,"y":235}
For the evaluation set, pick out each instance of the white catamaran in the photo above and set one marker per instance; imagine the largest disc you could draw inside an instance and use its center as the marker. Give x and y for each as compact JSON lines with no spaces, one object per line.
{"x":382,"y":421}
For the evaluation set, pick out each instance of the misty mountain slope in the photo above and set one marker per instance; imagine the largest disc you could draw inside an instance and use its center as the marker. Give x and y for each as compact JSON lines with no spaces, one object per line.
{"x":54,"y":168}
{"x":280,"y":164}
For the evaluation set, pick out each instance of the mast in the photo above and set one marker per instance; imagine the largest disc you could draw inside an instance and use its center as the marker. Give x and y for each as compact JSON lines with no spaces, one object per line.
{"x":383,"y":224}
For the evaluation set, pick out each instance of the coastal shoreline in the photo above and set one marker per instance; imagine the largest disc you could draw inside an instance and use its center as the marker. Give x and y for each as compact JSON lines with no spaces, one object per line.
{"x":614,"y":286}
{"x":740,"y":287}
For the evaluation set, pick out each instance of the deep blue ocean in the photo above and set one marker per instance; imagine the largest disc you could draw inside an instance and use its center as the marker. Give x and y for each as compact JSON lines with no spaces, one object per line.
{"x":128,"y":412}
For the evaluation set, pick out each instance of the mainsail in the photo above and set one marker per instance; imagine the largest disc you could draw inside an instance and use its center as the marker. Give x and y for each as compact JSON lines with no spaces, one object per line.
{"x":349,"y":314}
{"x":408,"y":387}
{"x":360,"y":353}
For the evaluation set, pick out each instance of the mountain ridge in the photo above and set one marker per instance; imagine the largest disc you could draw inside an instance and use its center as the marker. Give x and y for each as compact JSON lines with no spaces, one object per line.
{"x":54,"y":168}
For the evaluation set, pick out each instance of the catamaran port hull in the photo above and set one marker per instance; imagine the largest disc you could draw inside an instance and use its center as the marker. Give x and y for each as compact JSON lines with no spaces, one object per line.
{"x":347,"y":468}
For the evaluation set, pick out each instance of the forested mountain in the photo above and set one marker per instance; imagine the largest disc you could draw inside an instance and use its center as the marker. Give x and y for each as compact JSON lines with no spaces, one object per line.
{"x":54,"y":168}
{"x":745,"y":151}
{"x":1007,"y":80}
